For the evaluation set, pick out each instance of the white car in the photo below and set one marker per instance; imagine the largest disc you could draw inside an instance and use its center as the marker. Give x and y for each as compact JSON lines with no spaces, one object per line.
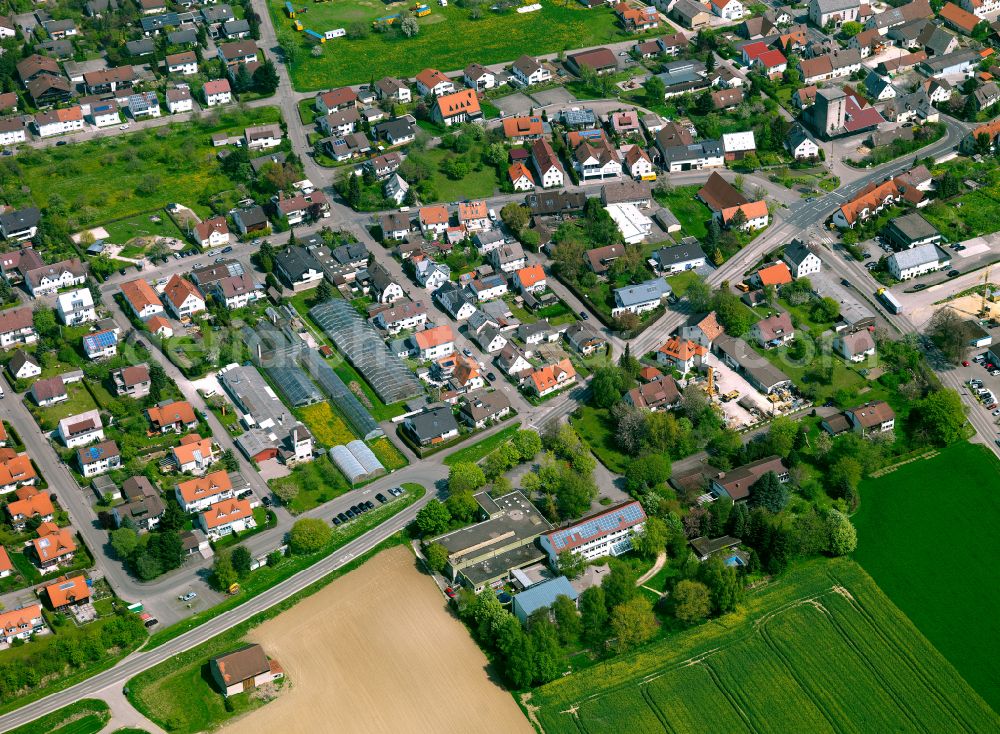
{"x":126,"y":126}
{"x":188,"y":596}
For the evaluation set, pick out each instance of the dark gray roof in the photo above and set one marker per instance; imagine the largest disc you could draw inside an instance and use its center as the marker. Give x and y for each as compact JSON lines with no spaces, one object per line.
{"x":20,"y":219}
{"x":796,"y":252}
{"x":399,"y":127}
{"x":183,"y":37}
{"x":296,"y":262}
{"x":237,"y":25}
{"x":141,"y":47}
{"x":432,"y":423}
{"x":679,"y":254}
{"x":349,"y":253}
{"x":158,"y":22}
{"x":913,"y":227}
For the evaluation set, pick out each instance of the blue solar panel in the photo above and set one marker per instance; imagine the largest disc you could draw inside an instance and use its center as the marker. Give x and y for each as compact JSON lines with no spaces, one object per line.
{"x":626,"y":516}
{"x":101,"y":339}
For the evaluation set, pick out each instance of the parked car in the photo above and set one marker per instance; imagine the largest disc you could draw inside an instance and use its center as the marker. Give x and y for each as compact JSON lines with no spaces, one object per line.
{"x":919,"y":286}
{"x":381,"y":498}
{"x":350,"y":514}
{"x":336,"y":521}
{"x":188,"y":596}
{"x":450,"y":592}
{"x":953,"y":273}
{"x":584,"y":315}
{"x":342,"y":517}
{"x":369,"y":505}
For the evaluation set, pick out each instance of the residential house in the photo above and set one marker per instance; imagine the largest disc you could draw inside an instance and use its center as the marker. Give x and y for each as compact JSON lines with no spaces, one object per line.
{"x":102,"y":344}
{"x":48,"y":279}
{"x":682,"y":354}
{"x":76,"y":307}
{"x":872,"y":417}
{"x":12,"y":131}
{"x":801,"y":145}
{"x":873,"y":198}
{"x":132,"y":381}
{"x":520,"y":177}
{"x":397,"y":131}
{"x":404,"y":315}
{"x":20,"y":224}
{"x":141,"y":299}
{"x":551,"y":378}
{"x":435,"y":343}
{"x":488,"y":287}
{"x":54,"y":546}
{"x":523,"y":129}
{"x":432,"y":426}
{"x":584,"y":340}
{"x":638,"y":164}
{"x":473,"y":215}
{"x":396,"y":189}
{"x":804,"y":97}
{"x":143,"y":505}
{"x":261,"y":137}
{"x":243,"y":670}
{"x":194,"y":454}
{"x":738,"y":483}
{"x":49,"y":391}
{"x":728,"y":9}
{"x":776,"y":274}
{"x":212,"y":232}
{"x":433,"y":220}
{"x":60,"y":121}
{"x":481,"y":408}
{"x":184,"y":63}
{"x":99,"y":458}
{"x":479,"y":78}
{"x":200,"y":493}
{"x":217,"y":92}
{"x":179,"y":100}
{"x":298,"y":268}
{"x":66,"y":593}
{"x":109,"y":80}
{"x":30,"y":502}
{"x":547,"y":166}
{"x":105,"y":114}
{"x":688,"y":255}
{"x":172,"y":417}
{"x":658,"y":394}
{"x":690,"y":14}
{"x":23,"y":365}
{"x":81,"y":430}
{"x":394,"y":225}
{"x":456,"y":301}
{"x":384,"y":288}
{"x":433,"y":82}
{"x":593,"y":156}
{"x":509,"y":257}
{"x":239,"y":52}
{"x":774,"y":331}
{"x":637,"y":299}
{"x":336,"y":100}
{"x":705,"y":331}
{"x":801,"y":261}
{"x":855,"y":347}
{"x":21,"y":624}
{"x":183,"y":299}
{"x":390,"y":88}
{"x":227,"y":517}
{"x":432,"y":275}
{"x":529,"y":71}
{"x":340,"y":122}
{"x":599,"y":60}
{"x":530,"y":279}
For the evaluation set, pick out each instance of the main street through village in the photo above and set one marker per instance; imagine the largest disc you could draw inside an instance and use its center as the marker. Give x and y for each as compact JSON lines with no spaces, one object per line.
{"x":793,"y":218}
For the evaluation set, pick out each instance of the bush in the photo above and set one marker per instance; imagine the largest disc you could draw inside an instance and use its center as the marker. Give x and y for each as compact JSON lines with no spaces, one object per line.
{"x":308,"y":535}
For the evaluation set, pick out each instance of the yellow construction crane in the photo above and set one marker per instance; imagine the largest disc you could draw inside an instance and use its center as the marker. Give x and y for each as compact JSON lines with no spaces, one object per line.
{"x":711,"y":381}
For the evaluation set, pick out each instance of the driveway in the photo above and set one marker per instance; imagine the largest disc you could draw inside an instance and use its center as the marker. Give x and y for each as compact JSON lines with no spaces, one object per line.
{"x":513,"y":104}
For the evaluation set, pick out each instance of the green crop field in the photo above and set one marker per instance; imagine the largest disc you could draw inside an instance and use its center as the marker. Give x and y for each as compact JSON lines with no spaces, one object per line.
{"x":121,"y":176}
{"x":820,"y":650}
{"x":448,"y":39}
{"x":924,"y":534}
{"x":86,"y":716}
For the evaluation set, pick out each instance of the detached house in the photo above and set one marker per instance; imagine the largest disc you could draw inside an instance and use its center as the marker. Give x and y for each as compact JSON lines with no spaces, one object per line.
{"x":479,"y":78}
{"x":681,"y":354}
{"x":99,"y":459}
{"x":17,"y":327}
{"x":101,"y":344}
{"x":217,"y":91}
{"x":773,"y":331}
{"x":29,"y":502}
{"x":873,"y":417}
{"x":227,"y":517}
{"x":855,"y":347}
{"x":456,"y":108}
{"x":76,"y":307}
{"x":194,"y":454}
{"x":172,"y":417}
{"x":183,"y":299}
{"x":212,"y":232}
{"x":435,"y":343}
{"x":433,"y":220}
{"x":20,"y":224}
{"x":196,"y":495}
{"x":550,"y":378}
{"x":529,"y":71}
{"x":547,"y":166}
{"x":433,"y":82}
{"x":384,"y":288}
{"x":49,"y":391}
{"x":393,"y":89}
{"x":80,"y":430}
{"x":297,"y":267}
{"x":58,"y":122}
{"x":801,"y":261}
{"x":133,"y":381}
{"x":49,"y":279}
{"x":184,"y":63}
{"x":54,"y":546}
{"x":141,"y":299}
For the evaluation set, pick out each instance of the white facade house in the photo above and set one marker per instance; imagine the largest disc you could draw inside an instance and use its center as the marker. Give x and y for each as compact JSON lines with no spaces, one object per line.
{"x":217,"y":91}
{"x":76,"y":307}
{"x":917,"y":261}
{"x":432,"y":275}
{"x":632,"y":223}
{"x":81,"y":430}
{"x":728,"y":9}
{"x":184,"y":63}
{"x":801,"y":261}
{"x":59,"y":122}
{"x":12,"y":132}
{"x":105,"y":114}
{"x":528,"y":71}
{"x":179,"y":100}
{"x":608,"y":533}
{"x":226,"y":517}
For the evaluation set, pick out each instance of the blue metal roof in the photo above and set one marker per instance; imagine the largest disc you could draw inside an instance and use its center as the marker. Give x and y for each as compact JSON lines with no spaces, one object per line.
{"x":544,"y":594}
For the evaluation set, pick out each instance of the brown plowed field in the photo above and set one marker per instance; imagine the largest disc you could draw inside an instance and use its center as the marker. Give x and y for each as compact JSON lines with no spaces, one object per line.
{"x":377,"y":651}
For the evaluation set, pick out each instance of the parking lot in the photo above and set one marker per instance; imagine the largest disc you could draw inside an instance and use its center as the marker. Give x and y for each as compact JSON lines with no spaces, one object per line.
{"x":513,"y":104}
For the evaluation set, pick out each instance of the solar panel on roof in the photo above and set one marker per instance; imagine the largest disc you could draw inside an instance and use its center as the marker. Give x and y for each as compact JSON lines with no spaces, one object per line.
{"x":598,"y":526}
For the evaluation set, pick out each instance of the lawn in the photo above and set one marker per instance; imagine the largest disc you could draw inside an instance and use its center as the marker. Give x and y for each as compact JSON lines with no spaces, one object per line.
{"x":970,"y":215}
{"x":595,"y":427}
{"x":87,"y":716}
{"x":318,"y":481}
{"x":79,"y":401}
{"x":679,"y":283}
{"x":448,"y":39}
{"x":479,"y":450}
{"x":142,"y":225}
{"x":690,"y":212}
{"x":924,"y":534}
{"x":121,"y":176}
{"x":826,"y":650}
{"x":479,"y":184}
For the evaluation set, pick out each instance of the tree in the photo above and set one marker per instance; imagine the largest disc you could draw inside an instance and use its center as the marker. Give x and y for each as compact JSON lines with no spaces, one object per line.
{"x":851,"y":28}
{"x":628,"y":364}
{"x":633,"y":623}
{"x":265,"y":78}
{"x":646,"y":472}
{"x":286,"y":492}
{"x":724,"y":586}
{"x":606,"y":386}
{"x":940,"y":417}
{"x":842,"y":538}
{"x":461,"y":506}
{"x":266,"y":256}
{"x":545,"y":640}
{"x":950,"y":333}
{"x":594,"y":615}
{"x":768,"y":492}
{"x":229,"y":461}
{"x":527,"y":443}
{"x":223,"y":573}
{"x":241,"y":560}
{"x":437,"y":557}
{"x":45,"y":322}
{"x":575,"y":492}
{"x":308,"y":535}
{"x":571,"y":565}
{"x":655,"y":90}
{"x":732,"y":314}
{"x":409,"y":27}
{"x":619,"y":585}
{"x":826,"y":309}
{"x":465,"y":476}
{"x":242,"y":82}
{"x":324,"y":291}
{"x":515,"y":216}
{"x":568,"y":622}
{"x":433,"y":519}
{"x":782,"y":434}
{"x":124,"y":541}
{"x":699,"y":294}
{"x":691,"y":601}
{"x":652,"y":539}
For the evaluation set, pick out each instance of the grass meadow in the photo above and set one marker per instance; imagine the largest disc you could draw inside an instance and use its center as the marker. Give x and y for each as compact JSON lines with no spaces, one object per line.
{"x":448,"y":39}
{"x":820,"y":650}
{"x":924,"y":531}
{"x":121,"y":176}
